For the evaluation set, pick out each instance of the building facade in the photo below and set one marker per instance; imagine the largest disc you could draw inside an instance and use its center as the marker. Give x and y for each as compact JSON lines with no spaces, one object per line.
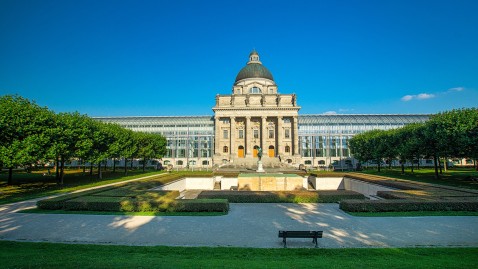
{"x":255,"y":116}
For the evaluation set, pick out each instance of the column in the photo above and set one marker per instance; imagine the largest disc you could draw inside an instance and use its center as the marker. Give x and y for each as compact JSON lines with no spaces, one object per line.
{"x":248,"y":141}
{"x":232,"y":138}
{"x":263,"y":132}
{"x":280,"y":136}
{"x":217,"y":137}
{"x":296,"y":135}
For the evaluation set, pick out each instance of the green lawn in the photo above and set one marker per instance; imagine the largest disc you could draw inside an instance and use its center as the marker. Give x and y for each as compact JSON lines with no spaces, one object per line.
{"x":48,"y":255}
{"x":457,"y":177}
{"x":33,"y":185}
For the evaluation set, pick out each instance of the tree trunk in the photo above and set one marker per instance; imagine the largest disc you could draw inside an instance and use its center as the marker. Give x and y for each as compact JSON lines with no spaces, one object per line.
{"x":131,"y":163}
{"x":378,"y":165}
{"x":57,"y":170}
{"x":144,"y":164}
{"x":403,"y":168}
{"x":390,"y":164}
{"x":62,"y":170}
{"x":10,"y":176}
{"x":440,"y":166}
{"x":445,"y":164}
{"x":99,"y":170}
{"x":435,"y":164}
{"x":91,"y":169}
{"x":125,"y":166}
{"x":476,"y":165}
{"x":412,"y":166}
{"x":106,"y":163}
{"x":114,"y":165}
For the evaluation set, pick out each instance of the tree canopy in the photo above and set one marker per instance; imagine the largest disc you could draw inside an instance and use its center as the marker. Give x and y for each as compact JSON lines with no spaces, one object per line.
{"x":32,"y":135}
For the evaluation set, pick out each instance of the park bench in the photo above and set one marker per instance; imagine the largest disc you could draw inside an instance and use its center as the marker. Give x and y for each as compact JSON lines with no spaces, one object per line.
{"x":300,"y":234}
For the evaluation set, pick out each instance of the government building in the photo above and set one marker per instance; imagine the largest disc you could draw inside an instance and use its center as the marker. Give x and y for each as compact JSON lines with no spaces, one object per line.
{"x":255,"y":117}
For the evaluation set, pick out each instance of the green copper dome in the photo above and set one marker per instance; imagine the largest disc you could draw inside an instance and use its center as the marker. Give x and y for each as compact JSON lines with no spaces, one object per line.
{"x":254,"y":70}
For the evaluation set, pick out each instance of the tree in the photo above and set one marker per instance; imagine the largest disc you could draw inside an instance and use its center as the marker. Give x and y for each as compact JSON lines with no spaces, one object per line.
{"x":150,"y":146}
{"x":23,"y":136}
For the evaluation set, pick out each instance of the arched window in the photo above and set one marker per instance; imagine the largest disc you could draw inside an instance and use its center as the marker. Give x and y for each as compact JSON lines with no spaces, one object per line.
{"x":321,"y":162}
{"x":225,"y":149}
{"x":287,"y":149}
{"x":179,"y":162}
{"x":255,"y":90}
{"x":308,"y":162}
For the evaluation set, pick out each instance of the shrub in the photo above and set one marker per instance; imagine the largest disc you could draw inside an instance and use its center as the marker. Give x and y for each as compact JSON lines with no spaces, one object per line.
{"x":406,"y":205}
{"x":201,"y":205}
{"x":281,"y":196}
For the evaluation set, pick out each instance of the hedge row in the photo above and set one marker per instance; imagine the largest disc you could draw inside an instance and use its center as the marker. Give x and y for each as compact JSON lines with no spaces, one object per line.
{"x":147,"y":202}
{"x":281,"y":196}
{"x":406,"y":205}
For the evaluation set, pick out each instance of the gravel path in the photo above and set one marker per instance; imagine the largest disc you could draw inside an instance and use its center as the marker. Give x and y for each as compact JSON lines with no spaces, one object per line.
{"x":246,"y":225}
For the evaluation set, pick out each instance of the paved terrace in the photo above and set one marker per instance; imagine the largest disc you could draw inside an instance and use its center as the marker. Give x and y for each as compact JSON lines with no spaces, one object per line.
{"x":246,"y":225}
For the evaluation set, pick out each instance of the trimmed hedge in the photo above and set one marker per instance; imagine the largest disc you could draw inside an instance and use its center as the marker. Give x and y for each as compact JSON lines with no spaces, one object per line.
{"x":406,"y":205}
{"x":281,"y":196}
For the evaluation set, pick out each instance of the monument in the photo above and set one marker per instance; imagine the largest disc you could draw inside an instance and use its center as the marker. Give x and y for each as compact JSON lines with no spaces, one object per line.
{"x":260,"y":169}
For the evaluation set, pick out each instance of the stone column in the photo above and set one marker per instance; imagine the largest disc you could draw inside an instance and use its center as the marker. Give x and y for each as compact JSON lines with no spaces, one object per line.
{"x":248,"y":141}
{"x":217,"y":137}
{"x":263,"y":134}
{"x":296,"y":135}
{"x":232,"y":138}
{"x":280,"y":136}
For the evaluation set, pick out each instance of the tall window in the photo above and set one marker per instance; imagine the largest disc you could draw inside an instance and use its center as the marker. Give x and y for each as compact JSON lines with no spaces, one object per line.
{"x":241,"y":133}
{"x":287,"y":133}
{"x":225,"y":134}
{"x":256,"y":133}
{"x":287,"y":149}
{"x":271,"y":133}
{"x":225,"y":149}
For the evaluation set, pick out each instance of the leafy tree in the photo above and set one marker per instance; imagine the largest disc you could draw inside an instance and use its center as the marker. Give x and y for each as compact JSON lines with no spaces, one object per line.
{"x":23,"y":139}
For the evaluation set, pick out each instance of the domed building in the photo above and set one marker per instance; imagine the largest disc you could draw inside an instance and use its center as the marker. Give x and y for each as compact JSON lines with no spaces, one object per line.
{"x":255,"y":116}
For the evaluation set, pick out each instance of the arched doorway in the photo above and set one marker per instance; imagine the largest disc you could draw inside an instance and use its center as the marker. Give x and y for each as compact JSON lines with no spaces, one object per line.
{"x":271,"y":151}
{"x":240,"y":151}
{"x":255,"y":151}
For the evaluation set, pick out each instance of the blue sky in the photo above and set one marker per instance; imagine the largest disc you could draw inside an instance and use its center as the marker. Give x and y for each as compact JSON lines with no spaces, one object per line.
{"x":165,"y":58}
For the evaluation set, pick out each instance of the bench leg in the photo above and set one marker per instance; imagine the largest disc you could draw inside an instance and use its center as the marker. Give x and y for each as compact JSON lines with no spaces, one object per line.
{"x":314,"y":240}
{"x":284,"y":241}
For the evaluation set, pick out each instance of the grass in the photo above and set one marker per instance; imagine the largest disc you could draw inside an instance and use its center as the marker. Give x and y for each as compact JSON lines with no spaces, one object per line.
{"x":413,"y":214}
{"x":49,"y":255}
{"x":457,"y":177}
{"x":43,"y":211}
{"x":33,"y":185}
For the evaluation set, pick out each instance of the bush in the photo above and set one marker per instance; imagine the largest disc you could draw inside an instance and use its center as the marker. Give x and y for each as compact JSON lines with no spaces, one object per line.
{"x":406,"y":205}
{"x":201,"y":205}
{"x":281,"y":196}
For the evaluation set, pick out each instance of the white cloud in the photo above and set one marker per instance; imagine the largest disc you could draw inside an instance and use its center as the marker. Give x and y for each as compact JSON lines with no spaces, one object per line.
{"x":330,"y":112}
{"x":456,"y":89}
{"x":342,"y":110}
{"x":407,"y":98}
{"x":423,"y":96}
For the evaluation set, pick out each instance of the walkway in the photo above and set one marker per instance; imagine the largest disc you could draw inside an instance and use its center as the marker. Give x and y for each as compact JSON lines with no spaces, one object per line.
{"x":246,"y":225}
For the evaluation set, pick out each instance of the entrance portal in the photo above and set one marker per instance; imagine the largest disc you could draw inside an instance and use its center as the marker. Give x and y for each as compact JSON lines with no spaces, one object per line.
{"x":240,"y":152}
{"x":255,"y":151}
{"x":271,"y":151}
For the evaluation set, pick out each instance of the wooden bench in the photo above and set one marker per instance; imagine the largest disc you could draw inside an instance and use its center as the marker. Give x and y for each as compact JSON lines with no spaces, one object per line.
{"x":300,"y":234}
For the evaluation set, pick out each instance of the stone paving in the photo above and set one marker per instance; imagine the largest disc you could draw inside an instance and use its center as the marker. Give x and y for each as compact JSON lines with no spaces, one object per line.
{"x":246,"y":225}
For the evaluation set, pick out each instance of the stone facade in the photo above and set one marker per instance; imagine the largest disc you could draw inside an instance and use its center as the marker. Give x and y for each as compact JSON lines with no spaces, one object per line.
{"x":255,"y":115}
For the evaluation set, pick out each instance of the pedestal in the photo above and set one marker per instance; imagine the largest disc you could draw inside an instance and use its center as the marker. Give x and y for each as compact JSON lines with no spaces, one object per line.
{"x":260,"y":169}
